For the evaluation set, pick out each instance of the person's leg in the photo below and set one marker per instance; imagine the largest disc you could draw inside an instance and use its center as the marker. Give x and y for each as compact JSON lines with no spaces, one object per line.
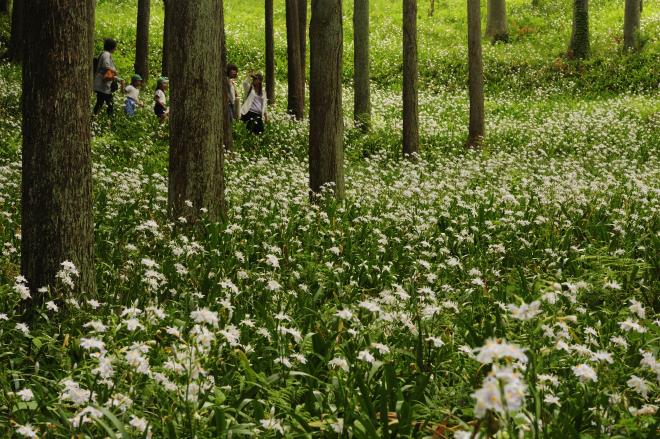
{"x":109,"y":103}
{"x":99,"y":102}
{"x":259,"y":125}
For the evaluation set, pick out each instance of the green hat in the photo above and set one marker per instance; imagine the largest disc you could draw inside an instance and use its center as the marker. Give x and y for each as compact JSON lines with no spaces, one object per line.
{"x":136,"y":78}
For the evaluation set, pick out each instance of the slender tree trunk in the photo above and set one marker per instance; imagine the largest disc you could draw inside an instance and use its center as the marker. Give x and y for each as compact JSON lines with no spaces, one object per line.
{"x":631,"y":25}
{"x":228,"y":135}
{"x":496,"y":27}
{"x":410,"y":79}
{"x":167,"y":6}
{"x":579,"y":46}
{"x":17,"y":37}
{"x":535,"y":3}
{"x":142,"y":40}
{"x":326,"y":124}
{"x":270,"y":53}
{"x":5,"y":7}
{"x":432,"y":8}
{"x":302,"y":33}
{"x":196,"y":127}
{"x":362,"y":93}
{"x":57,"y":223}
{"x":475,"y":75}
{"x":296,"y":100}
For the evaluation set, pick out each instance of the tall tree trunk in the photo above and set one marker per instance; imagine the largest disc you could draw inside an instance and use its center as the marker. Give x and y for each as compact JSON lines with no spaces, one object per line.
{"x":631,"y":25}
{"x":496,"y":27}
{"x":228,"y":135}
{"x":167,"y":6}
{"x":5,"y":7}
{"x":296,"y":99}
{"x":579,"y":46}
{"x":57,"y":223}
{"x":196,"y":178}
{"x":475,"y":75}
{"x":17,"y":37}
{"x":326,"y":123}
{"x":270,"y":53}
{"x":432,"y":8}
{"x":142,"y":40}
{"x":302,"y":33}
{"x":410,"y":79}
{"x":361,"y":86}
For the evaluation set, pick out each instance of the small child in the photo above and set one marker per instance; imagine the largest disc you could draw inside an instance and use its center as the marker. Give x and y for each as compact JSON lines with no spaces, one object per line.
{"x":132,"y":93}
{"x":160,"y":105}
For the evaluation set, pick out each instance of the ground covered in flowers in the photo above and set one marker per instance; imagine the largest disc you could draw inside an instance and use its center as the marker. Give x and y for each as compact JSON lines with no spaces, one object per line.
{"x":511,"y":290}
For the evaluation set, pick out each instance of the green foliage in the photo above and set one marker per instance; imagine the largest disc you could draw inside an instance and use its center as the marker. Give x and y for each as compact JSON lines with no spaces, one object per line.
{"x":365,"y":318}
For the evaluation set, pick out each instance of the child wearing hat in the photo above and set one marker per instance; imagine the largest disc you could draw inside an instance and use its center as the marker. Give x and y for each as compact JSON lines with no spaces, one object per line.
{"x":132,"y":93}
{"x":160,"y":105}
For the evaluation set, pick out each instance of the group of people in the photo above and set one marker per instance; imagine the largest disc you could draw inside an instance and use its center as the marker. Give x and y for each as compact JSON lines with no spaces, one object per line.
{"x":252,"y":110}
{"x":106,"y":82}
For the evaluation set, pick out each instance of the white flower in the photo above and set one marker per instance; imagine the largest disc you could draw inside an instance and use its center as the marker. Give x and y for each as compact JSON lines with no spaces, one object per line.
{"x":334,"y":250}
{"x":369,"y":306}
{"x":585,"y":373}
{"x":613,"y":285}
{"x":552,"y":400}
{"x":272,"y":424}
{"x":495,"y":350}
{"x":525,"y":311}
{"x":639,"y":385}
{"x":3,"y":316}
{"x":26,"y":431}
{"x":92,"y":343}
{"x":273,"y":261}
{"x":632,"y":325}
{"x":366,"y":356}
{"x":339,"y":363}
{"x":25,"y":394}
{"x":74,"y":393}
{"x":204,"y":315}
{"x":133,"y":324}
{"x":138,"y":423}
{"x":646,"y":409}
{"x":637,"y":308}
{"x":23,"y":328}
{"x":85,"y":416}
{"x":273,"y":285}
{"x":338,"y":426}
{"x":436,"y":341}
{"x":344,"y":314}
{"x":51,"y":306}
{"x":383,"y":349}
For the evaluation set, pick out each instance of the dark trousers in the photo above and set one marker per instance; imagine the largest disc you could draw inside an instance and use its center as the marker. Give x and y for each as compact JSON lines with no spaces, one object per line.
{"x":103,"y":98}
{"x":253,"y":122}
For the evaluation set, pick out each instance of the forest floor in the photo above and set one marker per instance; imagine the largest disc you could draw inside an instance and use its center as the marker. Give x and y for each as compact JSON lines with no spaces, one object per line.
{"x":512,"y":288}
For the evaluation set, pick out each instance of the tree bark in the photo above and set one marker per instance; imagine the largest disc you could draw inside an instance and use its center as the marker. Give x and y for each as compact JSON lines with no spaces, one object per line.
{"x":410,"y":79}
{"x":475,"y":75}
{"x":302,"y":33}
{"x":496,"y":27}
{"x":326,"y":124}
{"x":142,"y":40}
{"x":167,"y":6}
{"x":196,"y":178}
{"x":228,"y":135}
{"x":17,"y":37}
{"x":296,"y":99}
{"x":361,"y":86}
{"x":5,"y":7}
{"x":57,"y":222}
{"x":270,"y":53}
{"x":579,"y":46}
{"x":631,"y":25}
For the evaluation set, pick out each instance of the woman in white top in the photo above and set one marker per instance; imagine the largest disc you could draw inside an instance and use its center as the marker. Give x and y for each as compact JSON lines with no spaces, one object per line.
{"x":253,"y":110}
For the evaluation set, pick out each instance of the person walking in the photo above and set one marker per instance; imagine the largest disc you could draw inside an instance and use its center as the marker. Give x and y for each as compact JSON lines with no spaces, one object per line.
{"x":105,"y":78}
{"x":234,"y":104}
{"x":253,"y":110}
